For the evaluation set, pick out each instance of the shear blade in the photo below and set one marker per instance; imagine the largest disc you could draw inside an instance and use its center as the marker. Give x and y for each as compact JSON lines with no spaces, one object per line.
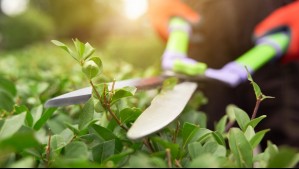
{"x":164,"y":109}
{"x":82,"y":95}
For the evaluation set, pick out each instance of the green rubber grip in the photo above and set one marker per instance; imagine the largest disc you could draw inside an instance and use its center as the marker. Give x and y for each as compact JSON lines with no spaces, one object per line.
{"x":264,"y":52}
{"x":178,"y":42}
{"x":178,"y":39}
{"x":198,"y":68}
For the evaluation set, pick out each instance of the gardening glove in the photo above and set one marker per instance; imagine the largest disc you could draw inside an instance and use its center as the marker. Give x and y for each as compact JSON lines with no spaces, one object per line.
{"x":160,"y":12}
{"x":282,"y":19}
{"x":232,"y":73}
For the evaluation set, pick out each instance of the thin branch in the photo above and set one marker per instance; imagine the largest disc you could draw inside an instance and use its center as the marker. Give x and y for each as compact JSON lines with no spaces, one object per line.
{"x":178,"y":163}
{"x":176,"y":132}
{"x":48,"y":151}
{"x":229,"y":125}
{"x":113,"y":85}
{"x":257,"y":105}
{"x":115,"y":118}
{"x":107,"y":105}
{"x":168,"y":155}
{"x":95,"y":90}
{"x":147,"y":143}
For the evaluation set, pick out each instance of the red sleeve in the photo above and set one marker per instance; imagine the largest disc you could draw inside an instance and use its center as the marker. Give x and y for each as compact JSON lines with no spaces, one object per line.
{"x":286,"y":17}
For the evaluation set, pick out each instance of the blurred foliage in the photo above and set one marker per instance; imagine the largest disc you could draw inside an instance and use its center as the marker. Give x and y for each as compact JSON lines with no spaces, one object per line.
{"x":77,"y":19}
{"x":21,"y":30}
{"x":88,"y":20}
{"x":140,"y":51}
{"x":42,"y":70}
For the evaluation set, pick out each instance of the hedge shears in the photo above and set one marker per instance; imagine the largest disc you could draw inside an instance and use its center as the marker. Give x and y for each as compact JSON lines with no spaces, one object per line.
{"x":166,"y":107}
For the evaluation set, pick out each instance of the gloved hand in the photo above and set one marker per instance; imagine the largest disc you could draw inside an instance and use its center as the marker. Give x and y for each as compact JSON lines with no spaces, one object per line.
{"x":232,"y":73}
{"x":284,"y":18}
{"x":160,"y":12}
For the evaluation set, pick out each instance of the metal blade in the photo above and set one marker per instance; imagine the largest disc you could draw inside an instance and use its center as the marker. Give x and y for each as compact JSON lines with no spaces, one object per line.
{"x":82,"y":95}
{"x":164,"y":108}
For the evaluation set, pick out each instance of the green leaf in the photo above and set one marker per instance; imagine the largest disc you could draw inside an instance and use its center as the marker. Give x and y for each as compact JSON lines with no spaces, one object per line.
{"x":76,"y":150}
{"x":98,"y":61}
{"x":80,"y":48}
{"x":41,"y":87}
{"x":258,"y":93}
{"x":89,"y":50}
{"x":67,"y":135}
{"x":117,"y":158}
{"x":249,"y":133}
{"x":204,"y":161}
{"x":286,"y":158}
{"x":29,"y":119}
{"x":86,"y":115}
{"x":221,"y":125}
{"x":174,"y":148}
{"x":240,"y":147}
{"x":47,"y":115}
{"x":12,"y":125}
{"x":90,"y":69}
{"x":271,"y":148}
{"x":241,"y":117}
{"x":84,"y":50}
{"x":6,"y":101}
{"x":36,"y":113}
{"x":66,"y":48}
{"x":195,"y":117}
{"x":8,"y":87}
{"x":104,"y":133}
{"x":104,"y":150}
{"x":98,"y":107}
{"x":144,"y":161}
{"x":21,"y":109}
{"x":257,"y":138}
{"x":256,"y":88}
{"x":256,"y":121}
{"x":202,"y":135}
{"x":262,"y":159}
{"x":231,"y":113}
{"x":199,"y":99}
{"x":128,"y":115}
{"x":188,"y":132}
{"x":19,"y":141}
{"x":74,"y":163}
{"x":73,"y":128}
{"x":57,"y":142}
{"x":169,"y":83}
{"x":218,"y":137}
{"x":215,"y":149}
{"x":266,"y":97}
{"x":123,"y":93}
{"x":27,"y":162}
{"x":195,"y":149}
{"x":202,"y":119}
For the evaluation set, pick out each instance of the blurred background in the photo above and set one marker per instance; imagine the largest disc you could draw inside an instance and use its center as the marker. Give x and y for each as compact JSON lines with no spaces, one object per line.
{"x":119,"y":30}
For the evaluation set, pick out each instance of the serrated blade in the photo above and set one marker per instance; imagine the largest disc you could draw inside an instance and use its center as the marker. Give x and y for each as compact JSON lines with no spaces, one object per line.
{"x":164,"y":109}
{"x":82,"y":95}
